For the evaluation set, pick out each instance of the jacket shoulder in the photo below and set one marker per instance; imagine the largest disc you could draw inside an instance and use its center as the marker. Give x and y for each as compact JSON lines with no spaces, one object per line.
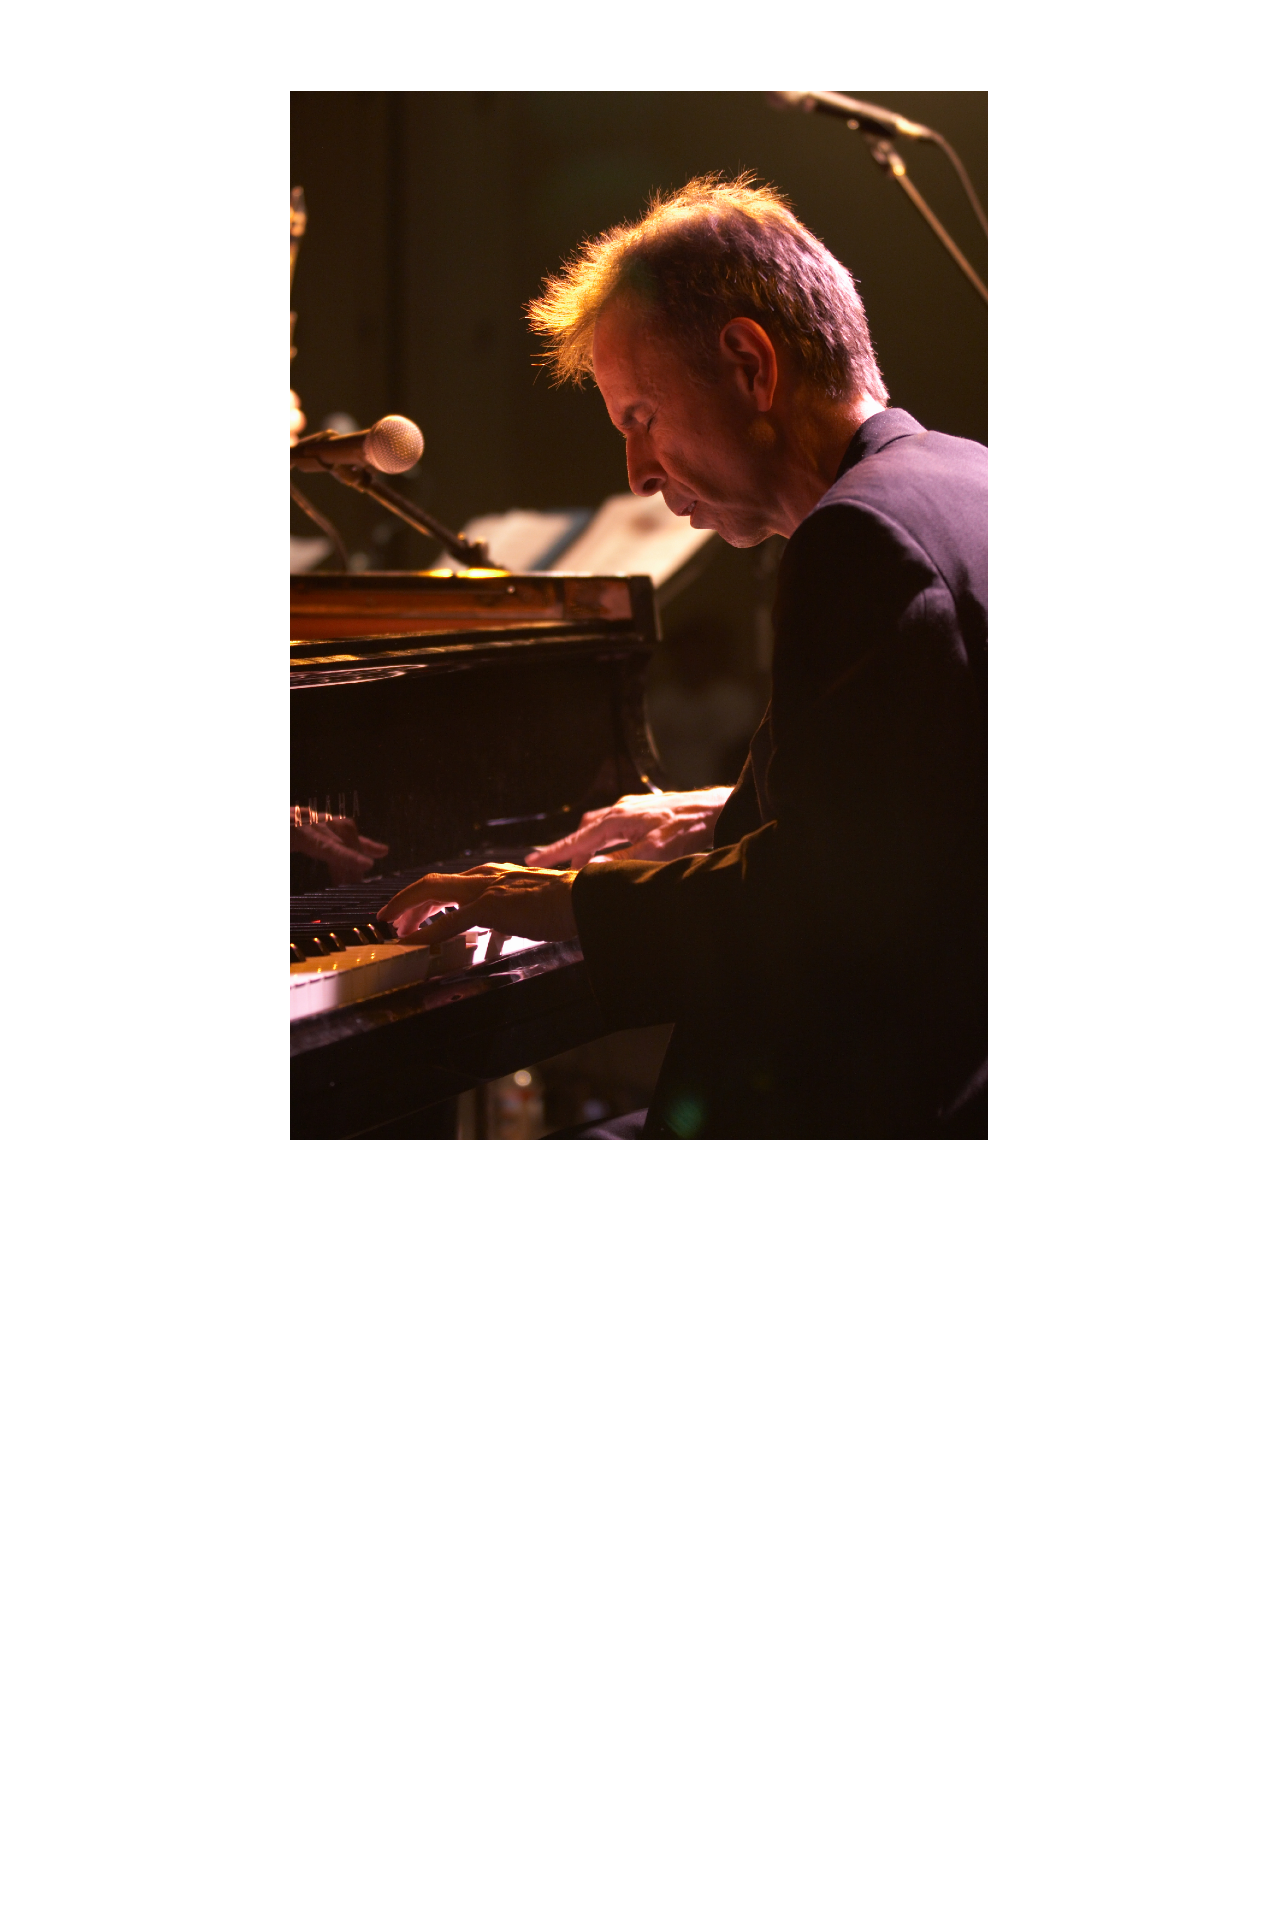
{"x":919,"y":476}
{"x":922,"y":499}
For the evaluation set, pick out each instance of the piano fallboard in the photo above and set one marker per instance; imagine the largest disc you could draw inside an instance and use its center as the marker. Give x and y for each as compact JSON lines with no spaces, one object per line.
{"x":327,"y":606}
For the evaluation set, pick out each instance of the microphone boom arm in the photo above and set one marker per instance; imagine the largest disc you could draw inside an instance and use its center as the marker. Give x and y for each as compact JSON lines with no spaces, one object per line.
{"x":879,"y":126}
{"x":471,"y":553}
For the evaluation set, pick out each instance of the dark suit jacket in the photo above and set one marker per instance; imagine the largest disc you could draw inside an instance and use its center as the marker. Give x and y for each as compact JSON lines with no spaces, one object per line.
{"x":826,"y":964}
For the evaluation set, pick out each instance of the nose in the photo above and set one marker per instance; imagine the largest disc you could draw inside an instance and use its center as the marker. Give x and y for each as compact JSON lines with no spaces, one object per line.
{"x":645,"y":471}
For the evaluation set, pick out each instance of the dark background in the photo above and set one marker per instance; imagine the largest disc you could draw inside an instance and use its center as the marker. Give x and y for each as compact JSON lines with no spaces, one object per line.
{"x":434,"y":217}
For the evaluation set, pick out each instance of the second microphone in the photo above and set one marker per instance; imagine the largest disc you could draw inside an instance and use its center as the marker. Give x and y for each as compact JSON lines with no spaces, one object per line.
{"x":392,"y":445}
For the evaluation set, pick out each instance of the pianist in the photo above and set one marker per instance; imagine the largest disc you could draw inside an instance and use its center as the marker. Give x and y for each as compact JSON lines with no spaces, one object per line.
{"x":818,"y":934}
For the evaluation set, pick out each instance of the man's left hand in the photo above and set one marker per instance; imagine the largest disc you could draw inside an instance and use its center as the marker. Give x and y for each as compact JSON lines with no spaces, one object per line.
{"x":533,"y":904}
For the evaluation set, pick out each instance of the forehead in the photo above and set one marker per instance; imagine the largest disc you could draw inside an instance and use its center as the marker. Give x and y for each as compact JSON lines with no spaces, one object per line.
{"x":633,"y":362}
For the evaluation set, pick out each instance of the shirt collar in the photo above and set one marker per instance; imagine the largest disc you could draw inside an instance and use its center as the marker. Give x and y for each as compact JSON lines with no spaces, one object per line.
{"x":879,"y":431}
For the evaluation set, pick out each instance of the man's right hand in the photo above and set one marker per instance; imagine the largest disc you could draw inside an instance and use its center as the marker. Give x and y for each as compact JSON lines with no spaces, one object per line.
{"x":648,"y":826}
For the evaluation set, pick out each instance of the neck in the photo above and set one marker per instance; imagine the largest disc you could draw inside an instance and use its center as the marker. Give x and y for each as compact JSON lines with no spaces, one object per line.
{"x":815,"y":446}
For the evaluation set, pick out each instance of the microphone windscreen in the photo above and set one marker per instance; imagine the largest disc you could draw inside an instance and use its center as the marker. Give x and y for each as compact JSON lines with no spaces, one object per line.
{"x":394,"y":444}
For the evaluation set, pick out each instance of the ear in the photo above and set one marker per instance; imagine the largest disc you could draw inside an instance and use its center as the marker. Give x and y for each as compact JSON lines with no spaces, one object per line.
{"x":752,"y":360}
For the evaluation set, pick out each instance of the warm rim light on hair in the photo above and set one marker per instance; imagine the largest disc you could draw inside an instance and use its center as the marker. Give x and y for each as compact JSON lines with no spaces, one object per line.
{"x":714,"y":251}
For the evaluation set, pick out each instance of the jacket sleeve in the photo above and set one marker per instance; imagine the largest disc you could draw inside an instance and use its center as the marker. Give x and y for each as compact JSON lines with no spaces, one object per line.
{"x":740,"y":813}
{"x":872,"y":755}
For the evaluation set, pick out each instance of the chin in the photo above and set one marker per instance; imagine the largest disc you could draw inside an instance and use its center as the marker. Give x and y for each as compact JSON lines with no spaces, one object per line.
{"x":743,"y":536}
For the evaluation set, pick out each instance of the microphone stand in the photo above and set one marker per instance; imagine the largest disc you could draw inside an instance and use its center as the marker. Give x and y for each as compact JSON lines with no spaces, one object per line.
{"x":471,"y":553}
{"x":891,"y":162}
{"x":308,"y":454}
{"x":325,"y":525}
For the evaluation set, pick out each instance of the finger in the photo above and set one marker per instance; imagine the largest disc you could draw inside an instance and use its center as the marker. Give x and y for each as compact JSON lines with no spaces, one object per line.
{"x":667,"y":841}
{"x":443,"y":926}
{"x":434,"y":886}
{"x":426,"y":915}
{"x":456,"y":888}
{"x":637,"y":850}
{"x":373,"y":848}
{"x":597,"y":830}
{"x":592,"y":832}
{"x":561,"y":853}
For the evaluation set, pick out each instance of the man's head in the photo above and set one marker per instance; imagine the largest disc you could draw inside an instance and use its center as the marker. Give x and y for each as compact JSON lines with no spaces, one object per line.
{"x":730,"y":347}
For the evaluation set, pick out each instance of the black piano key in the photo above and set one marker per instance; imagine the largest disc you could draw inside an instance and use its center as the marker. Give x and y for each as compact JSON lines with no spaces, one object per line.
{"x":295,"y":954}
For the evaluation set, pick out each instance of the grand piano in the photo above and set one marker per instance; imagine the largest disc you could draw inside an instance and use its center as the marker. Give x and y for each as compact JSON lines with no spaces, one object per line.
{"x":459,"y":718}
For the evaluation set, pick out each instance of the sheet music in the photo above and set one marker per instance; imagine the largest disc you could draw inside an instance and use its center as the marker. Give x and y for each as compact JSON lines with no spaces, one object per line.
{"x":630,"y":535}
{"x":626,"y":535}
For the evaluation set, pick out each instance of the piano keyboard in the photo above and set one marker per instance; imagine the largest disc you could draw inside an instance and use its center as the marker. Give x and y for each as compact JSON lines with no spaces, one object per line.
{"x":339,"y":953}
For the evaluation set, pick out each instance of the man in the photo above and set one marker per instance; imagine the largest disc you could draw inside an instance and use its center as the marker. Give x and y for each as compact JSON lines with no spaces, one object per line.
{"x":819,"y":936}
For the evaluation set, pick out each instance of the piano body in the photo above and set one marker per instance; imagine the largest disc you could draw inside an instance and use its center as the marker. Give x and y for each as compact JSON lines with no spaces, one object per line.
{"x":460,"y":717}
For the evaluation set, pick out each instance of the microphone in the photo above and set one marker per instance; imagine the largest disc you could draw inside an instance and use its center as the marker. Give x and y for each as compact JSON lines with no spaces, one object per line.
{"x":877,"y":125}
{"x":860,"y":112}
{"x":393,"y":445}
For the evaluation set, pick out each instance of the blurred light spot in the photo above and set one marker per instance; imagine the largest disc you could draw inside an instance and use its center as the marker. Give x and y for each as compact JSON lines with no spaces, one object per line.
{"x":687,"y":1116}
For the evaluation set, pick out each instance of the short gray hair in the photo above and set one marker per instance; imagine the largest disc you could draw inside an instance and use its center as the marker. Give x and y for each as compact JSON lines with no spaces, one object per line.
{"x":717,"y":250}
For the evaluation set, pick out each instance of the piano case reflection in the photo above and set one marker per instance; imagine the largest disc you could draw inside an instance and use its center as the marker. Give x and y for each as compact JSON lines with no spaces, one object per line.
{"x":465,"y":717}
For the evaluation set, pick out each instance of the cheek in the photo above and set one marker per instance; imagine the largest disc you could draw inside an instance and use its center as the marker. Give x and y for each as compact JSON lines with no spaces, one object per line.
{"x":723,"y":464}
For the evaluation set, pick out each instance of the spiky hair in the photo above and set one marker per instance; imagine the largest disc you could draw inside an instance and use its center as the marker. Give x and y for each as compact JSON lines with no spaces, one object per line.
{"x":717,"y":250}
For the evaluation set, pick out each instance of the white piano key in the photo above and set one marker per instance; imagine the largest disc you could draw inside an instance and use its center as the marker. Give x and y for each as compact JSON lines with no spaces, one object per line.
{"x":358,"y":973}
